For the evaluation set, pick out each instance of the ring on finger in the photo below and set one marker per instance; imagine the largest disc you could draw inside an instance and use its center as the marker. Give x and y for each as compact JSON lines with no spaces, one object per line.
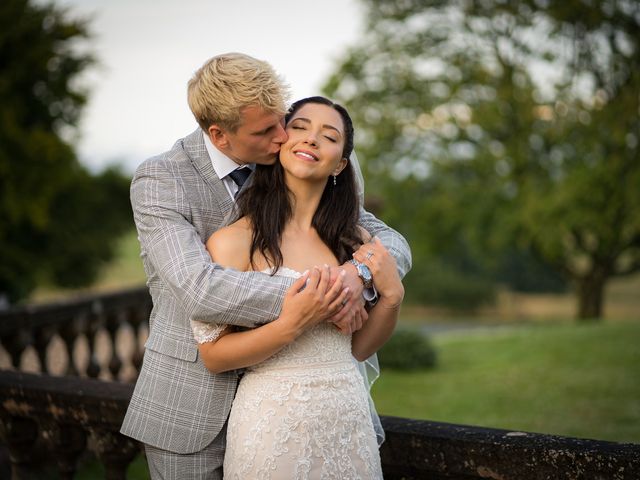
{"x":369,"y":254}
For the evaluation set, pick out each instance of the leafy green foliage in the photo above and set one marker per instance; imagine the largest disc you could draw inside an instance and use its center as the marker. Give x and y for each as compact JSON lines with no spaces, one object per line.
{"x":497,"y":129}
{"x":59,"y":222}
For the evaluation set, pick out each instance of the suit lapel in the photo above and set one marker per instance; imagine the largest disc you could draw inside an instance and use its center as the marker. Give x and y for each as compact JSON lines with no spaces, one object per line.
{"x":197,"y":152}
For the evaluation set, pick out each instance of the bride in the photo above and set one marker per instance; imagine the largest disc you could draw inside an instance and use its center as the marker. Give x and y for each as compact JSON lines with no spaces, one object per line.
{"x":302,"y":408}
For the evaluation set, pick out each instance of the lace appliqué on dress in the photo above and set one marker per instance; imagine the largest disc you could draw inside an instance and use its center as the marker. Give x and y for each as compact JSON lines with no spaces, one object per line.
{"x":303,"y":414}
{"x":205,"y":332}
{"x":302,"y":423}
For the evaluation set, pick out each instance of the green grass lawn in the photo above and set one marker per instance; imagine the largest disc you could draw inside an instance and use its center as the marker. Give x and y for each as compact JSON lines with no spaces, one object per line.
{"x":580,"y":380}
{"x":126,"y":267}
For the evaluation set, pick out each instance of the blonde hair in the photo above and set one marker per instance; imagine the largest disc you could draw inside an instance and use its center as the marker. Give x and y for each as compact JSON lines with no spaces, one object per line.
{"x":227,"y":83}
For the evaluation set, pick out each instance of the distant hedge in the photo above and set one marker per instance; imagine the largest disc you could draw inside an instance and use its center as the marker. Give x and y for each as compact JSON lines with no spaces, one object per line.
{"x":408,"y":350}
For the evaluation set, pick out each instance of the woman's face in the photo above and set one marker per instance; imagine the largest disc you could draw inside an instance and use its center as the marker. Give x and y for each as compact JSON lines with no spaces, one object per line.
{"x":315,"y":145}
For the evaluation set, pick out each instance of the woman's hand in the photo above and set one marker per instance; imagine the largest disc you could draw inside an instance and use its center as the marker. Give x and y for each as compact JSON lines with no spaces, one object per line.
{"x":352,"y":316}
{"x":383,"y":270}
{"x":311,"y":299}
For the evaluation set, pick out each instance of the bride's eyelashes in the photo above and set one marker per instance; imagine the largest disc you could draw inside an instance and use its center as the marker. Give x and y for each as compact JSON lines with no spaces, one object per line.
{"x":297,"y":127}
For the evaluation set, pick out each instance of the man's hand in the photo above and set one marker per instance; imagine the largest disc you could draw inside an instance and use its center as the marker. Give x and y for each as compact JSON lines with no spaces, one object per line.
{"x":352,"y":315}
{"x":384,"y":270}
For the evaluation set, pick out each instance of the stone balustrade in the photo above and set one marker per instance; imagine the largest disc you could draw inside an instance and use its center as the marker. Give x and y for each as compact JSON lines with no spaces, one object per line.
{"x":92,"y":320}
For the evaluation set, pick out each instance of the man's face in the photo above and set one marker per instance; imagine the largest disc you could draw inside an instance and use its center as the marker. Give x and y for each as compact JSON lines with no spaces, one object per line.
{"x":258,"y":138}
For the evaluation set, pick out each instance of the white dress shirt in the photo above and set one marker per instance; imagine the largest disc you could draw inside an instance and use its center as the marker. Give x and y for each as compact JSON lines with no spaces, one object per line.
{"x":223,"y":166}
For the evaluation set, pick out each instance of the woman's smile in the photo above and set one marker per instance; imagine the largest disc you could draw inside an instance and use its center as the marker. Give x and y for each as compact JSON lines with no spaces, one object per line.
{"x":306,"y":155}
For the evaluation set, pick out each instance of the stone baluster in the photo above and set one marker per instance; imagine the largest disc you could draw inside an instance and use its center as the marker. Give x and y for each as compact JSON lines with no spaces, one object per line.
{"x":42,"y":337}
{"x":113,"y":324}
{"x":69,"y":334}
{"x":15,"y":343}
{"x":138,"y":318}
{"x":115,"y":451}
{"x":94,"y":324}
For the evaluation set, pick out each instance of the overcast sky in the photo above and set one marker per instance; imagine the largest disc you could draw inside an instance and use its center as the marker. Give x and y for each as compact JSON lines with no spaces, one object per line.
{"x":148,"y":50}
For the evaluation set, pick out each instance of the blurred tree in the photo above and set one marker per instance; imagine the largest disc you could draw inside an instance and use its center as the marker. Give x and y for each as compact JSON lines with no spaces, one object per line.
{"x":504,"y":127}
{"x":58,"y":222}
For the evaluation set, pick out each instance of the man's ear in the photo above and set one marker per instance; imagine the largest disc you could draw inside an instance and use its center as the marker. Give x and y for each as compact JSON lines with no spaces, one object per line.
{"x":218,"y":137}
{"x":341,"y":164}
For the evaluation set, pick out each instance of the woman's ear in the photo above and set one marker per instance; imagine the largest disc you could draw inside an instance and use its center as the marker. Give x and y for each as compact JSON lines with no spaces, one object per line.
{"x":341,"y":164}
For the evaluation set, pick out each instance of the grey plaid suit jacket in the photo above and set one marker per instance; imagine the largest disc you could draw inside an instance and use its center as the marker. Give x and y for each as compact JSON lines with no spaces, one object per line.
{"x":178,"y":202}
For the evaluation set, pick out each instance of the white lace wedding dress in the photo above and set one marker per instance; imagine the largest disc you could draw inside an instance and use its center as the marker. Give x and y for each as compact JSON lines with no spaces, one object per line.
{"x":301,"y":414}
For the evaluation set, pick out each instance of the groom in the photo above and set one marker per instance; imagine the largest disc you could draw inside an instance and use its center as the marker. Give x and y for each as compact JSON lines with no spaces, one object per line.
{"x":179,"y":409}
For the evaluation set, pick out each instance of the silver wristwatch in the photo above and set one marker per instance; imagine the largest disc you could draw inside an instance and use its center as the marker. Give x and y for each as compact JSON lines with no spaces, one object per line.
{"x":363,"y":272}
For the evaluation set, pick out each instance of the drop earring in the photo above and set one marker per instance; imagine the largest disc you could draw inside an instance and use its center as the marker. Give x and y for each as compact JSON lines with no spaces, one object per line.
{"x":334,"y":180}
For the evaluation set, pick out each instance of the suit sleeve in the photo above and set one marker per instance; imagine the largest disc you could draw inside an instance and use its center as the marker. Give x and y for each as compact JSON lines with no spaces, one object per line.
{"x":391,"y":239}
{"x":206,"y":291}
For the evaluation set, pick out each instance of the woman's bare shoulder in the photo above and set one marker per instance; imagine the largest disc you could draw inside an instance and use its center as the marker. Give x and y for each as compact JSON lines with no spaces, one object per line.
{"x":230,"y":245}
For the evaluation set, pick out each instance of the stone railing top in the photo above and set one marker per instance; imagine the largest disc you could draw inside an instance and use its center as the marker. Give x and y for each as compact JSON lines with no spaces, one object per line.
{"x":65,"y":399}
{"x":60,"y":310}
{"x":443,"y":450}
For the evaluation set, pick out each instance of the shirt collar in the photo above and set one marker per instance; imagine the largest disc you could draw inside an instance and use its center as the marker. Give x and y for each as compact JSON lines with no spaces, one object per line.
{"x":222,"y":164}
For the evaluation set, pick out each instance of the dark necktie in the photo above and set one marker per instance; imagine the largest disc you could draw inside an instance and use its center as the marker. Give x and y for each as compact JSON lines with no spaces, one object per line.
{"x":239,"y":176}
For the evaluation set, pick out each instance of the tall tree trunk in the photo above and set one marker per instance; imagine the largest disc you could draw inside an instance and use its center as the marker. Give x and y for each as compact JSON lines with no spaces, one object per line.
{"x":591,"y":295}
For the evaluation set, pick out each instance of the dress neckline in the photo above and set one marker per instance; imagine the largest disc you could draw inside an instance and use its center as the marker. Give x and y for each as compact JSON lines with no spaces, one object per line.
{"x":283,"y":271}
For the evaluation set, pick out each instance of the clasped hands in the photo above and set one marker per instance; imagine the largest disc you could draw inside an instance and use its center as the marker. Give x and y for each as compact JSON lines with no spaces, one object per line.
{"x":334,"y":294}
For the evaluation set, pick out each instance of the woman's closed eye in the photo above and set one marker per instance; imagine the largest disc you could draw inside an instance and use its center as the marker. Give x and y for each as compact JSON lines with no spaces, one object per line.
{"x":301,"y":126}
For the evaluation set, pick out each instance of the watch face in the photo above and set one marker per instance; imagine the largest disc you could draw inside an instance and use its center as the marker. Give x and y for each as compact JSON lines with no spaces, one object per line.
{"x":364,"y":271}
{"x":365,"y":274}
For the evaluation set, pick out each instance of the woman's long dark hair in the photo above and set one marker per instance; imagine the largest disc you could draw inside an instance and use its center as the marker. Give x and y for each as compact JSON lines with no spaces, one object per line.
{"x":267,"y":202}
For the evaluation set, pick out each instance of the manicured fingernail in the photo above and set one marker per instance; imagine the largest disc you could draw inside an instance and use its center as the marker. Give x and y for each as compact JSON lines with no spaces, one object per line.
{"x":342,"y":272}
{"x":305,"y":272}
